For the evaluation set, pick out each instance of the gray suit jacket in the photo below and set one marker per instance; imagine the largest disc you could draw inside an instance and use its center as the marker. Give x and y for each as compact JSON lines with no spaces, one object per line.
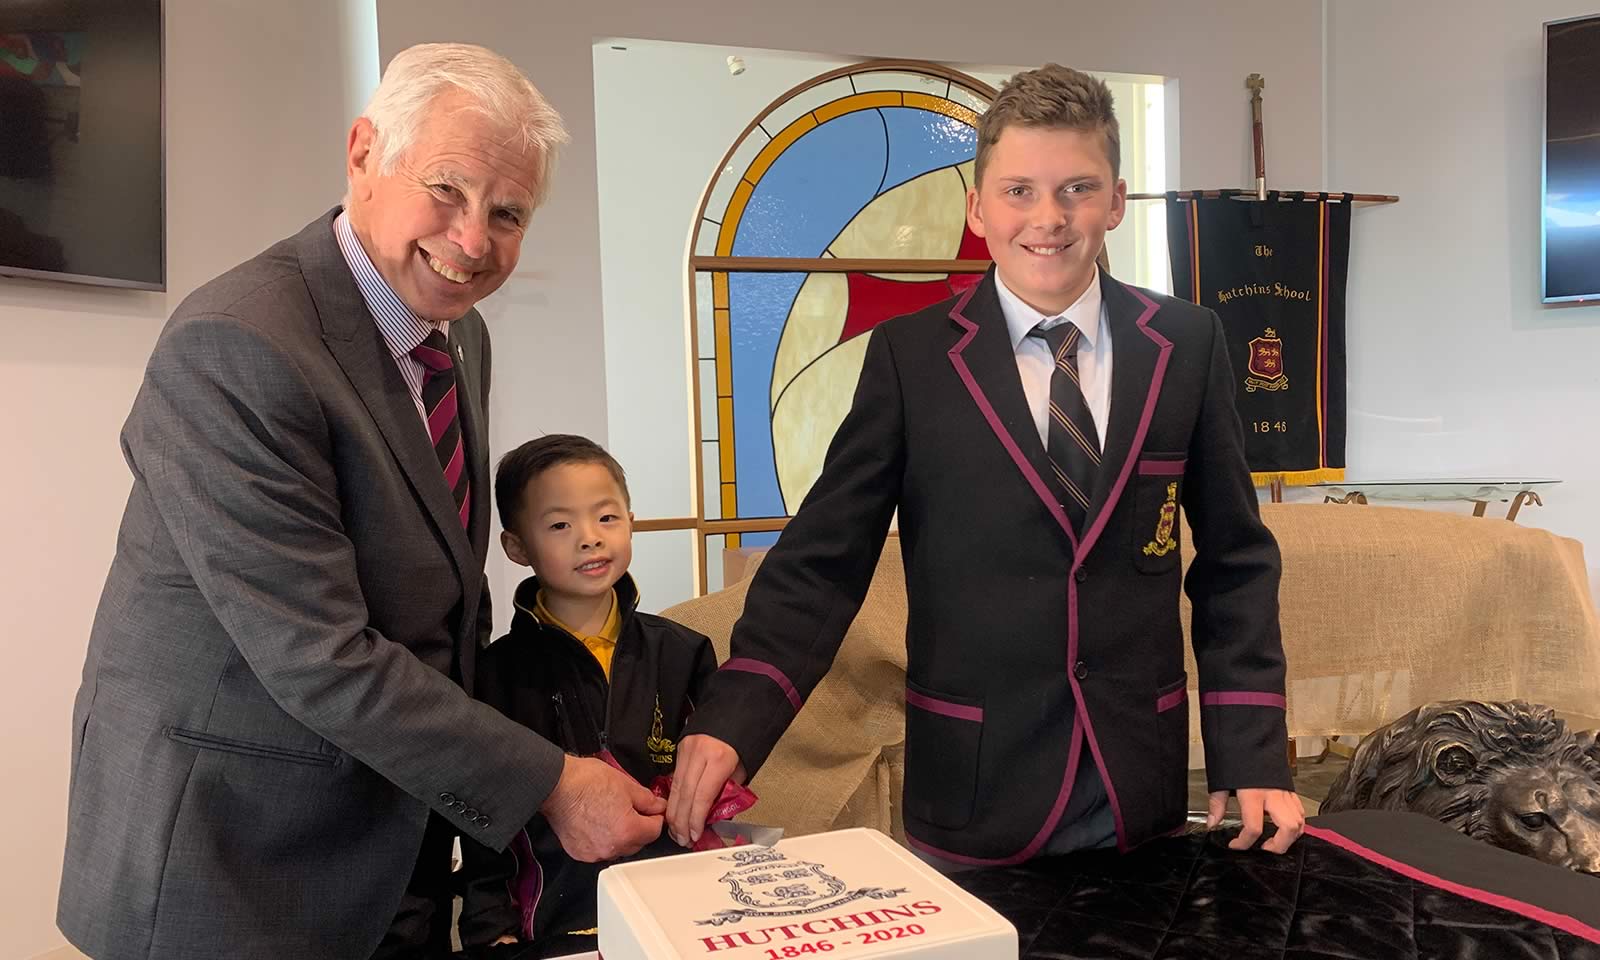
{"x":267,"y":710}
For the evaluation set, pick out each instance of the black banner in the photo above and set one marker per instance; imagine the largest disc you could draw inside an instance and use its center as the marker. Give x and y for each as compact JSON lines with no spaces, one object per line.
{"x":1275,"y":273}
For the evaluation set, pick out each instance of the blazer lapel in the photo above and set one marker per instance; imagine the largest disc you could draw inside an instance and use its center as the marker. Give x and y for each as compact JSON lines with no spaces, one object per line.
{"x":356,"y":343}
{"x":1139,"y":364}
{"x":987,"y":365}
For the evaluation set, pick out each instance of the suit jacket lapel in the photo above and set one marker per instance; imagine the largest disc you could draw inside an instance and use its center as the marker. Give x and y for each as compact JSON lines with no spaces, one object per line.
{"x":356,"y":343}
{"x":1138,"y":366}
{"x":987,"y":364}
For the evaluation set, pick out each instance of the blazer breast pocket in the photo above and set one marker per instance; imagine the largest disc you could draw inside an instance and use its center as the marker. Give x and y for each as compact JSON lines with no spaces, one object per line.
{"x":1157,"y":495}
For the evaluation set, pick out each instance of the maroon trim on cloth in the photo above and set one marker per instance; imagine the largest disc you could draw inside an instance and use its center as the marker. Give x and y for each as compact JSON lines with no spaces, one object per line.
{"x":1148,"y":414}
{"x":1039,"y":840}
{"x":1171,"y":700}
{"x":747,"y":665}
{"x":1093,"y":534}
{"x":1083,"y":708}
{"x":944,"y":707}
{"x":1079,"y":552}
{"x":1242,"y":698}
{"x":1161,"y":468}
{"x":1549,"y":918}
{"x":1050,"y":500}
{"x":1053,"y":505}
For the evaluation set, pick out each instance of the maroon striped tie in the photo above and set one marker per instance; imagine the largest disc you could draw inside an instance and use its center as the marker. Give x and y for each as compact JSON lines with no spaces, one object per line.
{"x":1073,"y":444}
{"x":444,"y":422}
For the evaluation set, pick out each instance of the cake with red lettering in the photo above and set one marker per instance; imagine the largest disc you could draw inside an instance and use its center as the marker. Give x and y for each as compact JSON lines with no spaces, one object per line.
{"x":851,"y":892}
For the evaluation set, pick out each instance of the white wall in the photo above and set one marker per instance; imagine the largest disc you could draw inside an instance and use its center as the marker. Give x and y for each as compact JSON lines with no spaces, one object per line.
{"x":550,"y":351}
{"x":1455,"y":366}
{"x":258,"y":100}
{"x":675,"y":105}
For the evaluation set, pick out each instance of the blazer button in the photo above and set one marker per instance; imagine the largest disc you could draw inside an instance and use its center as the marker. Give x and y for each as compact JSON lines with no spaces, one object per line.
{"x":483,"y":821}
{"x":447,"y":798}
{"x":1080,"y":575}
{"x":470,"y":814}
{"x":1081,"y":670}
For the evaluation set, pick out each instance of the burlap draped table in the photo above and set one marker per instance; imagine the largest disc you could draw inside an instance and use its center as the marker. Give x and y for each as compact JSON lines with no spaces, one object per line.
{"x":1383,"y":609}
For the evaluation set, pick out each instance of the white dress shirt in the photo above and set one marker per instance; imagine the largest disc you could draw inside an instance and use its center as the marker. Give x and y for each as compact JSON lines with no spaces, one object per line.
{"x":1035,"y":363}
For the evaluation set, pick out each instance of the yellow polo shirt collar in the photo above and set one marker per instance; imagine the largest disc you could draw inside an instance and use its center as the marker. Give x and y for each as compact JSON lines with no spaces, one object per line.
{"x":603,"y":644}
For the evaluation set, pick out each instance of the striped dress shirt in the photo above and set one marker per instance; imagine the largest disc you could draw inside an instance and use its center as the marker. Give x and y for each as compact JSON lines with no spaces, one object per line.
{"x":402,"y":330}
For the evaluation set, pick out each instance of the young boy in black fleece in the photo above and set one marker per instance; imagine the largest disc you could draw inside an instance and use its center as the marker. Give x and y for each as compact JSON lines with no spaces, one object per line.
{"x":580,"y":667}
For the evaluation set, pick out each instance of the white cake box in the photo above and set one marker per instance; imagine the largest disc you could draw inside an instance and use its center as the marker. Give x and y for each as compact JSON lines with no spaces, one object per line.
{"x":854,"y":893}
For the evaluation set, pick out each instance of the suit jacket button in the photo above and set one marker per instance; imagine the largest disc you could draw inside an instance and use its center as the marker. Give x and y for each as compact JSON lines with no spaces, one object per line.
{"x":470,"y":813}
{"x":1080,"y":575}
{"x":1081,"y":670}
{"x":447,"y":798}
{"x":483,"y":821}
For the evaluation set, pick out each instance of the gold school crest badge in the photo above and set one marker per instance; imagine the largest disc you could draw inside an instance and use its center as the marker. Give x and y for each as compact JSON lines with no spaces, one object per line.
{"x":1163,"y":544}
{"x":661,"y":748}
{"x":1266,"y":364}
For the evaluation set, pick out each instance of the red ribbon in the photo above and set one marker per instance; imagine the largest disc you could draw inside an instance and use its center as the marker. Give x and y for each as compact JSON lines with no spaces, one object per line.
{"x":733,"y":800}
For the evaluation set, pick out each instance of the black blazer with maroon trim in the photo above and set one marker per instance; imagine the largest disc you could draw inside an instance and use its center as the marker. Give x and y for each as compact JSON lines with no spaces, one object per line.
{"x":1026,"y":643}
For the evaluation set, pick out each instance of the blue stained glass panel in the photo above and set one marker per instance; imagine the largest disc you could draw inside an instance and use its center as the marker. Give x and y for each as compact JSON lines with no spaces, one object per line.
{"x":759,"y":305}
{"x":814,"y":188}
{"x":921,"y":141}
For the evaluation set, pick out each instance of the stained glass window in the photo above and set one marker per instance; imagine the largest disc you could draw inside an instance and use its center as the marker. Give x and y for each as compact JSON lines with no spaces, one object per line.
{"x":868,"y":163}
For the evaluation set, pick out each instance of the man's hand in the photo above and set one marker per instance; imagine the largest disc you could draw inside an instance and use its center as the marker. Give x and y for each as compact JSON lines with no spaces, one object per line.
{"x":1283,"y":806}
{"x":704,"y":765}
{"x":600,"y":814}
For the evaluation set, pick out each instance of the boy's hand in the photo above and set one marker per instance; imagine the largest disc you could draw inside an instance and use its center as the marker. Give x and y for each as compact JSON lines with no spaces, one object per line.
{"x":600,"y":814}
{"x":1283,"y":806}
{"x":704,"y":765}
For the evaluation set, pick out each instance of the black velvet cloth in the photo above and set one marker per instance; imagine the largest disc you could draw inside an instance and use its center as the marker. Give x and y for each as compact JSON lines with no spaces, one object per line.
{"x":1191,"y":898}
{"x":561,"y":945}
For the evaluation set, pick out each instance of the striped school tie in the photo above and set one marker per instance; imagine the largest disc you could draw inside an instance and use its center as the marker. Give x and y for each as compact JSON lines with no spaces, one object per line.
{"x":1074,"y":444}
{"x":444,"y":420}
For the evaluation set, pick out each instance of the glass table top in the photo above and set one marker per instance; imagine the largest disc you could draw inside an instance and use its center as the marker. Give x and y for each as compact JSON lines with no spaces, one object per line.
{"x":1440,"y":488}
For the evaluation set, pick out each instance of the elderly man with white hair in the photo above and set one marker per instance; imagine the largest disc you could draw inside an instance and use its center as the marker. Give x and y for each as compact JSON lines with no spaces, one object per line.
{"x":275,"y":740}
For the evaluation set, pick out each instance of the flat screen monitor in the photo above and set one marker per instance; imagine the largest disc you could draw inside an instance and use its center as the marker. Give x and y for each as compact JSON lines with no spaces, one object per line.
{"x":81,"y":182}
{"x":1572,"y":160}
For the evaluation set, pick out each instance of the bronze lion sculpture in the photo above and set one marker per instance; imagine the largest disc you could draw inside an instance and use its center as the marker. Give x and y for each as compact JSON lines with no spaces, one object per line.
{"x":1508,"y":772}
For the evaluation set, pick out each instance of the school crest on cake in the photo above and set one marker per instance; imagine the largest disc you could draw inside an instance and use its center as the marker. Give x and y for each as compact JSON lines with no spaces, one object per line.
{"x":767,"y":883}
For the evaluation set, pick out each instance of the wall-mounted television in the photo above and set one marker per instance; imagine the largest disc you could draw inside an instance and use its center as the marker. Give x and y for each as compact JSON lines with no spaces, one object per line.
{"x":1571,"y":232}
{"x":81,"y":181}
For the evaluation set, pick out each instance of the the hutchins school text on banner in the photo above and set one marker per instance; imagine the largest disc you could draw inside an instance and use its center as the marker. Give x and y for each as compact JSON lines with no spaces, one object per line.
{"x":1275,"y":273}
